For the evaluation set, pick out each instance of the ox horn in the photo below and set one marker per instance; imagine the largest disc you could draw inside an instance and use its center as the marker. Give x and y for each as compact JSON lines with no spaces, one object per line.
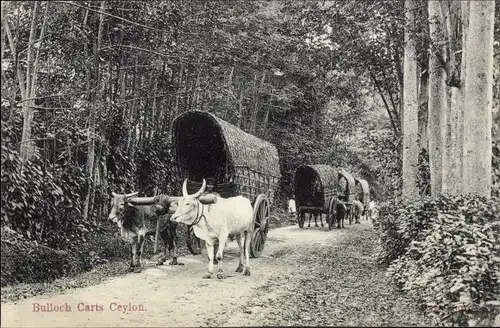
{"x":202,"y":190}
{"x":132,"y":194}
{"x":185,"y":189}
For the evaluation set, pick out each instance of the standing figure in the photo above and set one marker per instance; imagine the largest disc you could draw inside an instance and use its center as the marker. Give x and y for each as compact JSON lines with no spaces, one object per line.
{"x":292,"y":210}
{"x":371,"y":210}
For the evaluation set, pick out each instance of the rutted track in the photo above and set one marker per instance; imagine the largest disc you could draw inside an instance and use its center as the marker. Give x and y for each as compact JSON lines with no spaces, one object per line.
{"x":304,"y":276}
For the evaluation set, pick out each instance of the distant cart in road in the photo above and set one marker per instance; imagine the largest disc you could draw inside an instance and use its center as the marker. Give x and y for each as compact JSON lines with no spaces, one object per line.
{"x":315,"y":188}
{"x":363,"y":195}
{"x":348,"y":191}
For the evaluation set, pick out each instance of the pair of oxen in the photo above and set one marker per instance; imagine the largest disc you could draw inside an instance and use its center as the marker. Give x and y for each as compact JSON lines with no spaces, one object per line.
{"x":214,"y":219}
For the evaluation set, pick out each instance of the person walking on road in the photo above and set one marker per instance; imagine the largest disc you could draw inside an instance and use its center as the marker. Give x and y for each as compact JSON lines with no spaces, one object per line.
{"x":292,"y":210}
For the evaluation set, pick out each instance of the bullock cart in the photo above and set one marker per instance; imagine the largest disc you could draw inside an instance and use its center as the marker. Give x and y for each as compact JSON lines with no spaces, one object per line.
{"x":348,"y":191}
{"x":232,"y":162}
{"x":363,"y":195}
{"x":315,"y":191}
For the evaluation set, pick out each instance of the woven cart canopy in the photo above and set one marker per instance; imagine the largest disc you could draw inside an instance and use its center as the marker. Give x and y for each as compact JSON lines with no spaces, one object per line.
{"x":314,"y":184}
{"x":365,"y":191}
{"x":350,"y":191}
{"x":207,"y":147}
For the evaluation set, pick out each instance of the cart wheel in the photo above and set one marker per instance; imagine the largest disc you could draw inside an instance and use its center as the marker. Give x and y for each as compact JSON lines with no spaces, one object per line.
{"x":261,"y":215}
{"x":301,"y":219}
{"x":331,"y":212}
{"x":193,"y":242}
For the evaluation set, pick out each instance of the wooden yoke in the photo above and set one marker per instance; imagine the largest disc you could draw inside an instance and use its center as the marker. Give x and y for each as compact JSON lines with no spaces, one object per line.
{"x":163,"y":204}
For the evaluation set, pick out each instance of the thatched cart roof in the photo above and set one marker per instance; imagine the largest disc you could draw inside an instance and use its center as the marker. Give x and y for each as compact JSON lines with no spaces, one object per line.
{"x":326,"y":173}
{"x":365,"y":188}
{"x":364,"y":185}
{"x":351,"y":183}
{"x":308,"y":178}
{"x":203,"y":137}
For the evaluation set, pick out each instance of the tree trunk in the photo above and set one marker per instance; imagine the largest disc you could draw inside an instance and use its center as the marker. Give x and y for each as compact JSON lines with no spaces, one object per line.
{"x":185,"y":92}
{"x":241,"y":108}
{"x":437,"y":101}
{"x":194,"y":92}
{"x":410,"y":109}
{"x":13,"y":49}
{"x":179,"y":90}
{"x":3,"y":12}
{"x":447,"y":146}
{"x":256,"y":103}
{"x":230,"y":78}
{"x":479,"y":100}
{"x":27,"y":146}
{"x":199,"y":93}
{"x":154,"y":112}
{"x":451,"y":174}
{"x":266,"y":121}
{"x":423,"y":111}
{"x":130,"y":117}
{"x":92,"y":118}
{"x":104,"y":176}
{"x":386,"y":104}
{"x":123,"y":90}
{"x":460,"y":97}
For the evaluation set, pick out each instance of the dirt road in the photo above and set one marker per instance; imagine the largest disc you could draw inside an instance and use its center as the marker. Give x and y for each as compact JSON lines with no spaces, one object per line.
{"x":304,"y":277}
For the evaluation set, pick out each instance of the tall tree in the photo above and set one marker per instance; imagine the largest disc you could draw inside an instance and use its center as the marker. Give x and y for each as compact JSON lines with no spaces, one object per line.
{"x":453,"y":28}
{"x":92,"y":115}
{"x":410,"y":107}
{"x":478,"y":99}
{"x":28,"y":80}
{"x":437,"y":99}
{"x":460,"y":98}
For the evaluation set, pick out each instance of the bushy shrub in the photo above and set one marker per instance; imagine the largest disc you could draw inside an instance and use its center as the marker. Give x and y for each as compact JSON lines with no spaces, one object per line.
{"x":495,"y":165}
{"x":28,"y":261}
{"x":445,"y":253}
{"x":43,"y":205}
{"x":424,"y":173}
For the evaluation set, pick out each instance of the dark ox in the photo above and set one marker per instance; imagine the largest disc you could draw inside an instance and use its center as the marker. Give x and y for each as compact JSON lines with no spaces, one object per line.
{"x":315,"y":213}
{"x":136,"y":222}
{"x":339,"y":213}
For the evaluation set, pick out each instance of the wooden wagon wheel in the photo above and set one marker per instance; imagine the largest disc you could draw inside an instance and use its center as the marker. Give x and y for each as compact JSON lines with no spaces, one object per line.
{"x":331,"y":214}
{"x":261,"y":215}
{"x":193,"y":242}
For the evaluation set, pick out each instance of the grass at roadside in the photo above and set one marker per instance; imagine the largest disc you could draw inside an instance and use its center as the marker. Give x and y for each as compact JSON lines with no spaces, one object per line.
{"x":340,"y":285}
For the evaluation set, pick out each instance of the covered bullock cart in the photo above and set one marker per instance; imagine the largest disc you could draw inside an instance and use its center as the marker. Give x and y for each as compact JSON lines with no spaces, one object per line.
{"x":315,"y":189}
{"x":231,"y":161}
{"x":347,"y":191}
{"x":363,"y":194}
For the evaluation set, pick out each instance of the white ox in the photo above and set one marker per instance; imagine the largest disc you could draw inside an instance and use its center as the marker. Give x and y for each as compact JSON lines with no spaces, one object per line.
{"x":231,"y":216}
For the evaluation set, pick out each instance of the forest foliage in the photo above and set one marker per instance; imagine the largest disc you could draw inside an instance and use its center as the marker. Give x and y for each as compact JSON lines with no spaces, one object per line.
{"x":323,"y":81}
{"x":445,"y":253}
{"x":112,"y":75}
